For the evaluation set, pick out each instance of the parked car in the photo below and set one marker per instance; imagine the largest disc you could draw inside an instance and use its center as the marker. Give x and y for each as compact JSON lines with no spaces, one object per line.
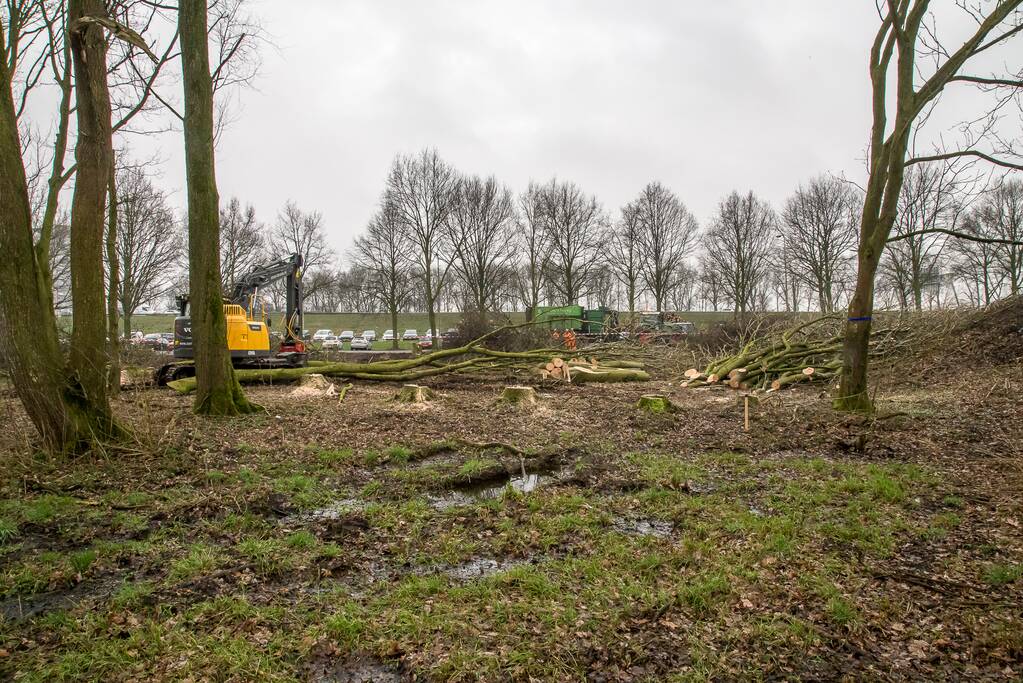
{"x":428,"y":334}
{"x":388,"y":335}
{"x":168,"y":340}
{"x":426,"y":343}
{"x":361,"y":344}
{"x":321,"y":335}
{"x":370,"y":335}
{"x":331,"y":342}
{"x":346,"y":335}
{"x":410,"y":335}
{"x":153,"y":341}
{"x":451,"y":333}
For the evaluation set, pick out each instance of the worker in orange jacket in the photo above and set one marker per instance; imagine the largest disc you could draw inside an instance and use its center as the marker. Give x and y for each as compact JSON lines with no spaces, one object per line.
{"x":570,"y":340}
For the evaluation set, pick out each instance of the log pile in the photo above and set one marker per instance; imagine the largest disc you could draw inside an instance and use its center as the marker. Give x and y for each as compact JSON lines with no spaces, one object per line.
{"x":581,"y":370}
{"x":794,"y":357}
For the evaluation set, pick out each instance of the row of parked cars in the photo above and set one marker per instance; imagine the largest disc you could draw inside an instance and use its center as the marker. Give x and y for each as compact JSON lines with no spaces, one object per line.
{"x":364,"y":341}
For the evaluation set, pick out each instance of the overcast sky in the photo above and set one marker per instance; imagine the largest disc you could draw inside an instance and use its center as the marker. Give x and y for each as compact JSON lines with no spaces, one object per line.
{"x":704,"y":96}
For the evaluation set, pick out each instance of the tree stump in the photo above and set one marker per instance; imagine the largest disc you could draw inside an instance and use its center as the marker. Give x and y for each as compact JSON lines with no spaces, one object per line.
{"x":656,"y":404}
{"x":518,"y":395}
{"x":313,"y":385}
{"x":414,"y":393}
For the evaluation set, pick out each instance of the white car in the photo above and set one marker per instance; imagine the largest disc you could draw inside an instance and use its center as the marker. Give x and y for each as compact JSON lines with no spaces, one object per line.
{"x":331,"y":342}
{"x":410,"y":334}
{"x":361,"y":344}
{"x":388,"y":335}
{"x":321,"y":335}
{"x":428,"y":335}
{"x":346,"y":335}
{"x":370,"y":335}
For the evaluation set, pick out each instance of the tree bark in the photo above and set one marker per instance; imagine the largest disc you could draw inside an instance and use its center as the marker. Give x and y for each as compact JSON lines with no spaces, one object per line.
{"x":218,"y":391}
{"x":394,"y":327}
{"x":113,"y":283}
{"x":89,"y":355}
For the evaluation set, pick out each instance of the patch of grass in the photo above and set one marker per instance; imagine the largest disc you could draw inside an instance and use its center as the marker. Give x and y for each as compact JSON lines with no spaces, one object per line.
{"x":269,"y":556}
{"x":664,"y":470}
{"x":399,"y":454}
{"x":301,"y":540}
{"x":132,"y":595}
{"x":200,"y":560}
{"x":705,"y":591}
{"x":8,"y":530}
{"x":1002,"y":574}
{"x":336,"y":456}
{"x":953,"y":502}
{"x":82,"y":560}
{"x":345,"y":626}
{"x":45,"y":509}
{"x":842,"y":612}
{"x":295,"y":483}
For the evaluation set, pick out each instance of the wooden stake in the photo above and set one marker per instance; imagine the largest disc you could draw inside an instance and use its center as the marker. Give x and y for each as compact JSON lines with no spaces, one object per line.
{"x":746,"y":406}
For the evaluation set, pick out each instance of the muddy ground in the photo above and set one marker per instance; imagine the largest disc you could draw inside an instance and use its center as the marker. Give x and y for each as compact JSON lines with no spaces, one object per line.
{"x":374,"y":541}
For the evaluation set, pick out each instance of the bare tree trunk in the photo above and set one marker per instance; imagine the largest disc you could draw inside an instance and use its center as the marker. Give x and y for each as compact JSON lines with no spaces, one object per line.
{"x":853,"y":390}
{"x":28,"y":326}
{"x":88,"y":357}
{"x":113,"y":284}
{"x":218,"y":391}
{"x":394,"y":327}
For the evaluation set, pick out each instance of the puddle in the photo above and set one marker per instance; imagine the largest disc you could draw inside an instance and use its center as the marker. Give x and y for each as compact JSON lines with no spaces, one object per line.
{"x":478,"y":568}
{"x":480,"y":493}
{"x":642,"y":527}
{"x":339,"y":509}
{"x":356,"y":669}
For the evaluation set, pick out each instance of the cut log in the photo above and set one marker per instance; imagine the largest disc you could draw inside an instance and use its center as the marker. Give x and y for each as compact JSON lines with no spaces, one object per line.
{"x":414,"y":393}
{"x":558,"y":362}
{"x":519,"y":395}
{"x":656,"y":404}
{"x":808,"y":371}
{"x":692,"y":373}
{"x":583,"y":375}
{"x":549,"y":367}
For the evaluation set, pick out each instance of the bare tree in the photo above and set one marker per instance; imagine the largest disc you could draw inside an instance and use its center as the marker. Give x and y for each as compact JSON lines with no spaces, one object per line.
{"x":298,"y":232}
{"x":933,"y":196}
{"x":1001,"y":214}
{"x":625,"y":254}
{"x":242,"y":242}
{"x":481,"y":230}
{"x":921,"y":70}
{"x":534,"y":245}
{"x":149,"y":242}
{"x":574,"y":223}
{"x":668,"y":232}
{"x":711,"y":285}
{"x":976,"y":262}
{"x":819,"y":225}
{"x":386,"y":253}
{"x":423,"y":191}
{"x":738,"y":247}
{"x":217,"y":388}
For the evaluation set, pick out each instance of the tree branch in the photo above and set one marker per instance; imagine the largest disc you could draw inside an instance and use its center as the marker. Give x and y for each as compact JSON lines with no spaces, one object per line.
{"x":965,"y":153}
{"x":988,"y":81}
{"x":957,"y":235}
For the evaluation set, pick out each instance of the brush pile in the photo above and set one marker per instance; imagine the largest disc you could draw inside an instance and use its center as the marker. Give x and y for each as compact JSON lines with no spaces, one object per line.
{"x":810,"y":352}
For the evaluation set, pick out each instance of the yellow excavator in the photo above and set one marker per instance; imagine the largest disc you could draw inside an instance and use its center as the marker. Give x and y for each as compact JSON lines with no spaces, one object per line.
{"x":248,"y":326}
